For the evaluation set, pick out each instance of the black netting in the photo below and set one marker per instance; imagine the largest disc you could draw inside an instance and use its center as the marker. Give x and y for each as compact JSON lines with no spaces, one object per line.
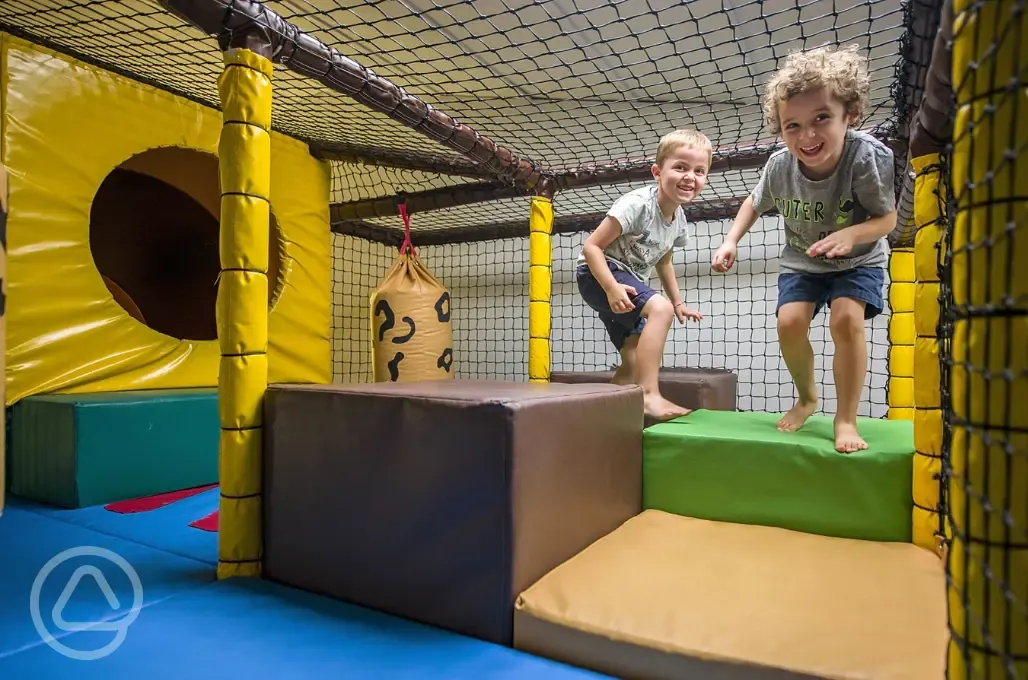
{"x":488,"y":284}
{"x":985,"y":348}
{"x":560,"y":83}
{"x":739,"y":329}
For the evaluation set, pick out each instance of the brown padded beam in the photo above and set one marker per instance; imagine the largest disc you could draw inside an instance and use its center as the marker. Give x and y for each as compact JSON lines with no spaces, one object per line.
{"x":728,"y":158}
{"x":398,"y":158}
{"x":930,"y":129}
{"x":231,"y":20}
{"x":423,"y":201}
{"x":590,"y":175}
{"x":570,"y":224}
{"x":593,"y":175}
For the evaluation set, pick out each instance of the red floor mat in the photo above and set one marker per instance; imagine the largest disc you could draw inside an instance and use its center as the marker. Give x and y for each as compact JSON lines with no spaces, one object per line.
{"x":208,"y":523}
{"x":154,"y":502}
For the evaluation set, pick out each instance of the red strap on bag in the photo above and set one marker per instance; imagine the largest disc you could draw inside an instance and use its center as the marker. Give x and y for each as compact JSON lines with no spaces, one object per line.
{"x":406,"y":245}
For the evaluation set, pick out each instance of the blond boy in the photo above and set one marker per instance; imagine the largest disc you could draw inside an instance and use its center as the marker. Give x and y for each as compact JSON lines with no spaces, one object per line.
{"x":634,"y":240}
{"x":833,"y":187}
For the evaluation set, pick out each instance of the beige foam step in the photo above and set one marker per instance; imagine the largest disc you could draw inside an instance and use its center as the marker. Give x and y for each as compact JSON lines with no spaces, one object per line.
{"x":666,"y":596}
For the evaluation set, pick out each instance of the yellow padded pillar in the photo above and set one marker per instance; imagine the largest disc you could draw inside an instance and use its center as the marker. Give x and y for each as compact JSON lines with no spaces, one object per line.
{"x":901,"y":334}
{"x":987,"y":483}
{"x":928,"y":251}
{"x":3,"y":325}
{"x":540,"y":287}
{"x":245,"y":162}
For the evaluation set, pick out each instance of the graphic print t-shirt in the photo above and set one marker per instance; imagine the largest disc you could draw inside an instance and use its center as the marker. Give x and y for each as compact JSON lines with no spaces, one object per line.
{"x":646,"y":236}
{"x":860,"y":188}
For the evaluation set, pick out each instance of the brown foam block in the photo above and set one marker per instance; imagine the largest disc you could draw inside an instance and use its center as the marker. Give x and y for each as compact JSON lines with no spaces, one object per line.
{"x":713,"y":389}
{"x":669,"y":597}
{"x":441,"y":501}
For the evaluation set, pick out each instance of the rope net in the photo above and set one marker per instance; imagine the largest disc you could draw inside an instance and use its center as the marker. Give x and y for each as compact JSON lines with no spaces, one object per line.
{"x":985,"y":336}
{"x":578,"y":91}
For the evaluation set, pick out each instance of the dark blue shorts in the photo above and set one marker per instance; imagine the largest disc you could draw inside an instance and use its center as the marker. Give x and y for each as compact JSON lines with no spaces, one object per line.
{"x":865,"y":284}
{"x":619,"y":326}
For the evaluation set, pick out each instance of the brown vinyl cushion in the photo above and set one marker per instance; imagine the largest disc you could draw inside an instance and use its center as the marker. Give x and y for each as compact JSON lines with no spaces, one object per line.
{"x":713,"y":389}
{"x":441,"y":501}
{"x":667,"y":596}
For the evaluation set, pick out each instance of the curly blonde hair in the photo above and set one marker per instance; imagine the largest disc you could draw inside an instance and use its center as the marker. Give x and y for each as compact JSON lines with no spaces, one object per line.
{"x":840,"y":69}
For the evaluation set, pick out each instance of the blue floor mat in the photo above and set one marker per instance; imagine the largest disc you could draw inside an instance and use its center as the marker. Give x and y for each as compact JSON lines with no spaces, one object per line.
{"x":29,"y":541}
{"x":192,"y":626}
{"x":165,"y":528}
{"x":257,"y":629}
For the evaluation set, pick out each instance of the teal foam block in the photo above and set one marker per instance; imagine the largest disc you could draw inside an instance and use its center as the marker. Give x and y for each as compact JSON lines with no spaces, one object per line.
{"x":81,"y":450}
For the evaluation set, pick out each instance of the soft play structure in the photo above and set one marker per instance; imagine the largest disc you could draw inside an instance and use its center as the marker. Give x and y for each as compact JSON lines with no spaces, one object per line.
{"x":114,"y":353}
{"x":214,"y":221}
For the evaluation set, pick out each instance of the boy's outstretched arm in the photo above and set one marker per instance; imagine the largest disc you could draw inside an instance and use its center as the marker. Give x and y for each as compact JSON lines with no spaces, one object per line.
{"x":669,"y":282}
{"x":592,"y":250}
{"x":840,"y":243}
{"x":747,"y":216}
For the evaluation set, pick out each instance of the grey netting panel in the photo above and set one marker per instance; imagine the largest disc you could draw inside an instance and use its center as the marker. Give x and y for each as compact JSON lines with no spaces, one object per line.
{"x":475,"y":214}
{"x":488,"y":284}
{"x":361,"y":181}
{"x":739,"y":329}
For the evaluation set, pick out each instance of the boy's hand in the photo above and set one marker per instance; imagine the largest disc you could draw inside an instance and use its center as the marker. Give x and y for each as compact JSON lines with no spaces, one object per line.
{"x":618,"y":298}
{"x":683,"y":313}
{"x":724,"y":258}
{"x":836,"y":244}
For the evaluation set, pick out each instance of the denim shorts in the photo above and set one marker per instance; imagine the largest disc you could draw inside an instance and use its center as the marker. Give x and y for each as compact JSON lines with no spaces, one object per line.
{"x":619,"y":326}
{"x":865,"y":284}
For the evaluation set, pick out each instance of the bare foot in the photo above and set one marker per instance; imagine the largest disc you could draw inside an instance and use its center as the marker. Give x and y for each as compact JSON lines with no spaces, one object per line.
{"x":658,"y":408}
{"x":797,"y":415}
{"x":846,"y":438}
{"x":622,"y":377}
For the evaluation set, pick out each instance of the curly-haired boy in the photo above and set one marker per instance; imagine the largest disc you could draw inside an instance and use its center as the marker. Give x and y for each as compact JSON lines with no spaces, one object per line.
{"x":833,"y":187}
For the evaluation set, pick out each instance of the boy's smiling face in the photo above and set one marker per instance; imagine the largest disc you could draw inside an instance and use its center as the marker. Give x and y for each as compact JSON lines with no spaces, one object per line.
{"x":683,"y":174}
{"x":814,"y":128}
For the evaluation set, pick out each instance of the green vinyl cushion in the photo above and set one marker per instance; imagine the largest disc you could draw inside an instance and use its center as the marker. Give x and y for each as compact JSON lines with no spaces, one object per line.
{"x":737,"y":467}
{"x":81,"y":450}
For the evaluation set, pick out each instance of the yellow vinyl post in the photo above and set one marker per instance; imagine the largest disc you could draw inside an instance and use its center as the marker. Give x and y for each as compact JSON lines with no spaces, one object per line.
{"x":245,"y":163}
{"x":987,"y":488}
{"x":928,"y":250}
{"x":901,"y":334}
{"x":540,"y":286}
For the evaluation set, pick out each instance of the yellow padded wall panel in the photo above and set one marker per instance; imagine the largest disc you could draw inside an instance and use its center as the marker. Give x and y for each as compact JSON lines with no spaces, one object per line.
{"x":901,"y":295}
{"x":988,"y":487}
{"x":927,"y":395}
{"x":901,"y":329}
{"x":901,"y":334}
{"x":65,"y":126}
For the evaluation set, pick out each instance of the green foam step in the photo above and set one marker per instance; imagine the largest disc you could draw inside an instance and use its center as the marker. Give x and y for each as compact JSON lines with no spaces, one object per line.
{"x":81,"y":450}
{"x":737,"y":467}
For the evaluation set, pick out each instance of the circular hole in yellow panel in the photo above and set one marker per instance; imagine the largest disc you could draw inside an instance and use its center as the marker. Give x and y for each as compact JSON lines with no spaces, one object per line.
{"x":153,"y":233}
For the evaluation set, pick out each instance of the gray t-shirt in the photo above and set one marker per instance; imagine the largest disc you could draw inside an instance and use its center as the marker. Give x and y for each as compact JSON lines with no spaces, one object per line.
{"x":646,"y":236}
{"x":860,"y":188}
